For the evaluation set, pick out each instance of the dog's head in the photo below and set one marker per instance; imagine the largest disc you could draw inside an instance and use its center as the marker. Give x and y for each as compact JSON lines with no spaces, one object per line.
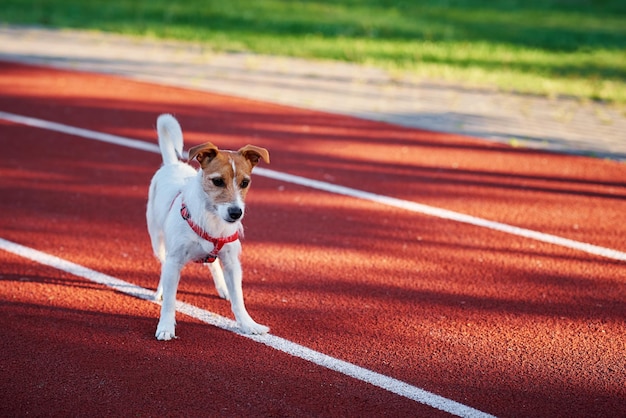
{"x":226,"y":176}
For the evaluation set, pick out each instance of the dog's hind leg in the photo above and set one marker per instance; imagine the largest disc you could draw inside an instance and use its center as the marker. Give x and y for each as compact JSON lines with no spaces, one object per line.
{"x":158,"y":294}
{"x":218,"y":278}
{"x":159,"y":251}
{"x":233,"y":279}
{"x":170,"y":276}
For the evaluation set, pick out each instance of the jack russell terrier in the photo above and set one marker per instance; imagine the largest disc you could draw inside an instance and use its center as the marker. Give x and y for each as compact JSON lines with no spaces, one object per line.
{"x":196,"y":216}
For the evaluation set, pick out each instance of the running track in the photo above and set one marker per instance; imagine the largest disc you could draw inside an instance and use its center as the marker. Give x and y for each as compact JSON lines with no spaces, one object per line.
{"x":479,"y":316}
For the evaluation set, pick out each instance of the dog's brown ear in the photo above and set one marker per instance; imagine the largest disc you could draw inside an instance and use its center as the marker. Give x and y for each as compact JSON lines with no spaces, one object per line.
{"x":253,"y":154}
{"x":203,"y":153}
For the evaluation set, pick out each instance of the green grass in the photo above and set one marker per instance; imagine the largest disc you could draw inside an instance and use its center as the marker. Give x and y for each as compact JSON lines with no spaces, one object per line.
{"x":550,"y":47}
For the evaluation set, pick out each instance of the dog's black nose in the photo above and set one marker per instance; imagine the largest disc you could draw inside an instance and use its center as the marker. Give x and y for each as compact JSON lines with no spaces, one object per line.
{"x":235,"y":212}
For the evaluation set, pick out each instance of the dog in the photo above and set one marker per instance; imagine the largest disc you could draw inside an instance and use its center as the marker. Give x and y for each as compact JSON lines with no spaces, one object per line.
{"x":195,"y":215}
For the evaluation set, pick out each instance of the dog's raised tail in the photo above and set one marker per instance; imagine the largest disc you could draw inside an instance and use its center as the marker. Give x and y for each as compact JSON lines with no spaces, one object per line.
{"x":170,"y":138}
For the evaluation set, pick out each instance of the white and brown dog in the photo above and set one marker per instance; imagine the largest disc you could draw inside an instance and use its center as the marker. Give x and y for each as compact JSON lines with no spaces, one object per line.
{"x":196,"y":216}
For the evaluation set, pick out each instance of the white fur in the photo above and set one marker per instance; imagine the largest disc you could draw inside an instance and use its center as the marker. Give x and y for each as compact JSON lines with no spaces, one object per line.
{"x":175,"y":243}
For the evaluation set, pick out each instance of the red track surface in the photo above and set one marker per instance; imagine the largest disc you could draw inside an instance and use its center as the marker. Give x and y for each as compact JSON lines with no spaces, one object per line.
{"x":504,"y":324}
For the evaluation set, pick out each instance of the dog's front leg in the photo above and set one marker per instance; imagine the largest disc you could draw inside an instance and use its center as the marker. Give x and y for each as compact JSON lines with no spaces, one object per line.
{"x":170,"y":276}
{"x":233,"y":277}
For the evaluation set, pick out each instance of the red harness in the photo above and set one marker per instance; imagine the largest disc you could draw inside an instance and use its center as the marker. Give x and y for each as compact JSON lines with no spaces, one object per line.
{"x":218,"y":243}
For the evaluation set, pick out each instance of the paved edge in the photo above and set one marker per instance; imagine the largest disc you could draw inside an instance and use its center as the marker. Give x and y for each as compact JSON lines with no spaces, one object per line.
{"x":559,"y":125}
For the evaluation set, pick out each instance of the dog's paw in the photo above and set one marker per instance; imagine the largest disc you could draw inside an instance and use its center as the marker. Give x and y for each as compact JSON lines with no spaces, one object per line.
{"x":165,"y":335}
{"x":251,"y":327}
{"x":165,"y":332}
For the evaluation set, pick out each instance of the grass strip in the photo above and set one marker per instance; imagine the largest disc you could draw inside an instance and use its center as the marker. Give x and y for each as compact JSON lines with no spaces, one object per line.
{"x":551,"y":47}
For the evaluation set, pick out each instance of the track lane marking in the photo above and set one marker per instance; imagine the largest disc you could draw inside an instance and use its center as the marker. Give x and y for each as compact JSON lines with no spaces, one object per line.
{"x":443,"y":214}
{"x":337,"y":189}
{"x":387,"y":383}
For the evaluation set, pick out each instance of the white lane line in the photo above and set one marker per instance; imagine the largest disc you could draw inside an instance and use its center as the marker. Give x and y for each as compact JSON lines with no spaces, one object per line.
{"x":83,"y":133}
{"x":336,"y":189}
{"x":387,"y":383}
{"x":443,"y":214}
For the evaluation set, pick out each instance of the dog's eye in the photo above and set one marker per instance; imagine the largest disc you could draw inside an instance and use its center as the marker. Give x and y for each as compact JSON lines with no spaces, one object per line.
{"x":218,"y":182}
{"x":245,"y":183}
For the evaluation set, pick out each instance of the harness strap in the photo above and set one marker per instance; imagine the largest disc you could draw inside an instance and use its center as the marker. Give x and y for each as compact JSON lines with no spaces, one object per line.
{"x":173,"y":201}
{"x":218,"y":243}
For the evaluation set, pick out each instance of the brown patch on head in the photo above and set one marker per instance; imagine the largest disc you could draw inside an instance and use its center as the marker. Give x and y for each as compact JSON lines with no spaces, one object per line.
{"x":218,"y":178}
{"x":226,"y":174}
